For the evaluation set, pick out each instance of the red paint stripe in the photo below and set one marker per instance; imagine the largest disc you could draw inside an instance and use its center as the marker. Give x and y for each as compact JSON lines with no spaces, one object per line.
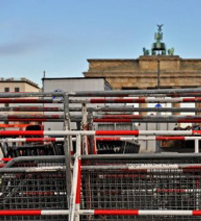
{"x":198,"y":120}
{"x":39,"y":139}
{"x":196,"y":132}
{"x":191,"y":99}
{"x":122,"y":116}
{"x":13,"y":125}
{"x":116,"y":212}
{"x":117,"y":132}
{"x":107,"y":138}
{"x":170,"y":190}
{"x":112,"y":120}
{"x":196,"y":212}
{"x":18,"y":133}
{"x":20,"y":212}
{"x":16,"y":100}
{"x":2,"y":165}
{"x":6,"y":159}
{"x":171,"y":138}
{"x":78,"y":191}
{"x":97,"y":101}
{"x":192,"y":167}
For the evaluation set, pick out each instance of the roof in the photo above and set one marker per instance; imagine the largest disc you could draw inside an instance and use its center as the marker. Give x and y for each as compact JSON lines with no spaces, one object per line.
{"x":80,"y":78}
{"x":20,"y":80}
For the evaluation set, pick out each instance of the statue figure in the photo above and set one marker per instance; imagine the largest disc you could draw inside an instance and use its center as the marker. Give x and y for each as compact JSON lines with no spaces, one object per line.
{"x":145,"y":51}
{"x":160,"y":28}
{"x":158,"y":36}
{"x":158,"y":47}
{"x":171,"y":51}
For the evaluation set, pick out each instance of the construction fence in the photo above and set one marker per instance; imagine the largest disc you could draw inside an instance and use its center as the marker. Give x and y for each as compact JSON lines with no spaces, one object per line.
{"x":64,"y":175}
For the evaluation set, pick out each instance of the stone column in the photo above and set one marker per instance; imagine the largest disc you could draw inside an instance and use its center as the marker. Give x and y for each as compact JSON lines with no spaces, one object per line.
{"x":142,"y":105}
{"x":176,"y":105}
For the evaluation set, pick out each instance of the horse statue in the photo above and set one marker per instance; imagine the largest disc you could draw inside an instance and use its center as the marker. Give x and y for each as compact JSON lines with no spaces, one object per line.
{"x":145,"y":51}
{"x":171,"y":51}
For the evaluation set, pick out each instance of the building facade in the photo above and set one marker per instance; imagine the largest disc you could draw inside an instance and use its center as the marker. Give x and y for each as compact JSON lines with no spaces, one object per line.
{"x":71,"y":85}
{"x":157,"y":68}
{"x":142,"y":73}
{"x":18,"y":85}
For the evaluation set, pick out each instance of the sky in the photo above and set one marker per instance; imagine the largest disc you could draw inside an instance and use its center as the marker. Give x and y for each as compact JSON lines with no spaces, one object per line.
{"x":58,"y":36}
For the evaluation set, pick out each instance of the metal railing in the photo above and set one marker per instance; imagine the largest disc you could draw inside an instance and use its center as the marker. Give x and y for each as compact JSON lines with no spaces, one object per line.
{"x":84,"y":185}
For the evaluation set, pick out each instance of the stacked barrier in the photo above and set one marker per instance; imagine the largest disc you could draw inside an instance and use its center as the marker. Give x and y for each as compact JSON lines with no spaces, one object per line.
{"x":80,"y":184}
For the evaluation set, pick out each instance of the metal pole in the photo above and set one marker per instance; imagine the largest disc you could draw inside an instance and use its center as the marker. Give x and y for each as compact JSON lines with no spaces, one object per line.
{"x":74,"y":192}
{"x":67,"y":150}
{"x":142,"y":156}
{"x":85,"y":146}
{"x":158,"y":73}
{"x":78,"y":181}
{"x":156,"y":99}
{"x":196,"y":145}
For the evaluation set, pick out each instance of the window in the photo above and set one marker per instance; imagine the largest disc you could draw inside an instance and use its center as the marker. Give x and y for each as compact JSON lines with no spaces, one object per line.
{"x":17,"y":89}
{"x":7,"y":89}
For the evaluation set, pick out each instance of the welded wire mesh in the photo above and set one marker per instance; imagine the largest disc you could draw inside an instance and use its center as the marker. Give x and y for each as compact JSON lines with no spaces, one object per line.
{"x":38,"y":162}
{"x":148,"y":160}
{"x":34,"y":150}
{"x":139,"y":218}
{"x":129,"y":189}
{"x":33,"y":218}
{"x":33,"y":190}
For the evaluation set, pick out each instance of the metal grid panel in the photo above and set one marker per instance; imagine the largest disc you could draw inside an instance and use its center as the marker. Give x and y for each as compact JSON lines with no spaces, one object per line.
{"x":150,"y":160}
{"x":39,"y":163}
{"x":33,"y":218}
{"x":32,"y":191}
{"x":127,"y":189}
{"x":130,"y":190}
{"x":138,"y":218}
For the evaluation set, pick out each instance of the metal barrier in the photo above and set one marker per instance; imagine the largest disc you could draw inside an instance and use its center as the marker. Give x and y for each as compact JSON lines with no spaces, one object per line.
{"x":25,"y":193}
{"x":91,"y":186}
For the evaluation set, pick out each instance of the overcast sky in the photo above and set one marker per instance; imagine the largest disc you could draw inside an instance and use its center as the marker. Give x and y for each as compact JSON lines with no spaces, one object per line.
{"x":59,"y":35}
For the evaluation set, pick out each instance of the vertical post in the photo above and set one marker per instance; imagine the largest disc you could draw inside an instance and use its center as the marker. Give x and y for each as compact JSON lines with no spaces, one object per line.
{"x":67,"y":149}
{"x":158,"y":105}
{"x":84,"y":127}
{"x":76,"y":184}
{"x":78,"y":190}
{"x":92,"y":139}
{"x":196,"y":145}
{"x":92,"y":150}
{"x":158,"y":73}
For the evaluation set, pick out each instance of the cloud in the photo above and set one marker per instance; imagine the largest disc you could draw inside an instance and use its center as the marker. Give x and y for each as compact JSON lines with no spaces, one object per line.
{"x":25,"y":45}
